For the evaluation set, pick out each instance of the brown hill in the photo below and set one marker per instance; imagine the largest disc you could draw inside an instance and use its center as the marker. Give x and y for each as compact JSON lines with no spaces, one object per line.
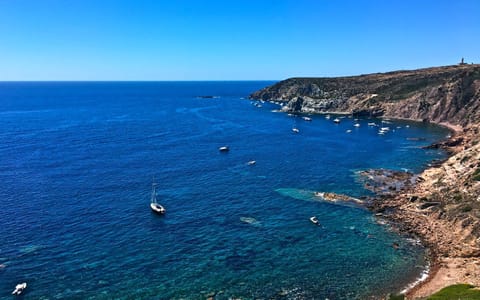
{"x":441,"y":94}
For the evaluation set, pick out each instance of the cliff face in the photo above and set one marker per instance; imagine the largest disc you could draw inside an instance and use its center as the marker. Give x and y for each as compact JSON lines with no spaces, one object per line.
{"x":442,"y":94}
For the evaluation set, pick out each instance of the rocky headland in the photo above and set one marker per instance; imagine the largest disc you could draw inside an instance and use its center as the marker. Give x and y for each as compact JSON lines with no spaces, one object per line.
{"x":441,"y":205}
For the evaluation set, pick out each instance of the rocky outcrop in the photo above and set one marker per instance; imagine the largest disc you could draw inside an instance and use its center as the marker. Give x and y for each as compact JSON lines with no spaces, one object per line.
{"x":441,"y":94}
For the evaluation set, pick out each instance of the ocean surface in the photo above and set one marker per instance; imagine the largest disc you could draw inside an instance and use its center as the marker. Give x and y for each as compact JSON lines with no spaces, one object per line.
{"x":76,"y":168}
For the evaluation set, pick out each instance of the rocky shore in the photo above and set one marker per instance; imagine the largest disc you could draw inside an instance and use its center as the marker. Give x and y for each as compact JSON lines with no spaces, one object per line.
{"x":441,"y":206}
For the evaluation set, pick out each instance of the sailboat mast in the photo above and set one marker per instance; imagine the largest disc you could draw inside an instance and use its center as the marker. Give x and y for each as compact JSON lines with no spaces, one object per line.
{"x":154,"y":192}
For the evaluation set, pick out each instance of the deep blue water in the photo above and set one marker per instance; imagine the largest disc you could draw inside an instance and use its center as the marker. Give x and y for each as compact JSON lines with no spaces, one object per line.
{"x":76,"y":166}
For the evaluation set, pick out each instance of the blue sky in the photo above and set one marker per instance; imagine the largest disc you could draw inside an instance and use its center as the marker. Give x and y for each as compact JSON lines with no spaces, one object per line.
{"x":231,"y":39}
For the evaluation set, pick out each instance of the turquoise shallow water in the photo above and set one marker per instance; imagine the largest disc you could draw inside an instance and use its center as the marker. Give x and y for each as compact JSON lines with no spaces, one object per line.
{"x":77,"y":160}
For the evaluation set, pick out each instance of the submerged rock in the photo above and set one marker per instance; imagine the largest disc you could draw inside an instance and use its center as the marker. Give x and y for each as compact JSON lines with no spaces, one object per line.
{"x":30,"y":249}
{"x":384,"y":182}
{"x":251,"y":221}
{"x":333,"y":197}
{"x":308,"y":195}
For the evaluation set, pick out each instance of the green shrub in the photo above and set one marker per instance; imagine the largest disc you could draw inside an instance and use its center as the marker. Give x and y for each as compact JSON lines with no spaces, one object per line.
{"x":457,"y":291}
{"x":465,"y":158}
{"x":476,"y":175}
{"x":457,"y":197}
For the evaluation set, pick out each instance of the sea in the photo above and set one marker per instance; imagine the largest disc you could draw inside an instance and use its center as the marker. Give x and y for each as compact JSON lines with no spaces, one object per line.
{"x":77,"y":162}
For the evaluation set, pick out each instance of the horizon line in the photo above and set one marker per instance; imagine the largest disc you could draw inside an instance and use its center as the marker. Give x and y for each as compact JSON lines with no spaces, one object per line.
{"x":166,"y":80}
{"x":239,"y":80}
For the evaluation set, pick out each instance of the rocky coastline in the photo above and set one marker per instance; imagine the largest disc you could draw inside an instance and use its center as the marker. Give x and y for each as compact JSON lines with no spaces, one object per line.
{"x":442,"y":209}
{"x":441,"y":205}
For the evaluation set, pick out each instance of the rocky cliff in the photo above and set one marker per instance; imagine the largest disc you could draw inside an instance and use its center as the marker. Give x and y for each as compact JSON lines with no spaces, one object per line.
{"x":443,"y":207}
{"x":440,"y":94}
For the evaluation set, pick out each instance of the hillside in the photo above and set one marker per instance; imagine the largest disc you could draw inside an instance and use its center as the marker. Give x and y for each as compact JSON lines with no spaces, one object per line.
{"x":441,"y":94}
{"x":443,"y":207}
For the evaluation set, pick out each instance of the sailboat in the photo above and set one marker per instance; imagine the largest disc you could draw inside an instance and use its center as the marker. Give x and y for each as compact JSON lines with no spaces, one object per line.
{"x":156,"y":207}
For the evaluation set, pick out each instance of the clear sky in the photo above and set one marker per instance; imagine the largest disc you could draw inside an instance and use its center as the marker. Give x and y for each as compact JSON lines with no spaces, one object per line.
{"x":231,"y":39}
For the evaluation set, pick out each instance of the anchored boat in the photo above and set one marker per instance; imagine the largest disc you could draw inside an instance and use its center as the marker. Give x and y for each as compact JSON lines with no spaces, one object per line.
{"x":314,"y":220}
{"x":154,"y":205}
{"x":19,"y":288}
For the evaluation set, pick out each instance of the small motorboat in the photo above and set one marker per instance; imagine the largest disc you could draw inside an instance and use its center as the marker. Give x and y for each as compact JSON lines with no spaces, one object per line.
{"x":383,"y":130}
{"x":336,"y":120}
{"x":357,"y":125}
{"x":19,"y":288}
{"x":223,"y":149}
{"x":295,"y":130}
{"x":154,"y":205}
{"x":251,"y":163}
{"x":307,"y":119}
{"x":314,"y":220}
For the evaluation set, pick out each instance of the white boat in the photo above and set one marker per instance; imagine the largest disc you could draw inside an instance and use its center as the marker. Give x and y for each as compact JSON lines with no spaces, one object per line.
{"x":314,"y":220}
{"x":295,"y":130}
{"x":154,"y":205}
{"x":307,"y":119}
{"x":348,"y":131}
{"x":251,"y":163}
{"x":327,"y":117}
{"x":223,"y":149}
{"x":385,"y":128}
{"x":336,"y":120}
{"x":19,"y":288}
{"x":372,"y":124}
{"x":357,"y":125}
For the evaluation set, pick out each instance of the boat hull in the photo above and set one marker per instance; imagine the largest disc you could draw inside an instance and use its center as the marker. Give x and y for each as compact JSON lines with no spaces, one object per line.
{"x":157,"y":208}
{"x":314,"y":220}
{"x":223,"y":149}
